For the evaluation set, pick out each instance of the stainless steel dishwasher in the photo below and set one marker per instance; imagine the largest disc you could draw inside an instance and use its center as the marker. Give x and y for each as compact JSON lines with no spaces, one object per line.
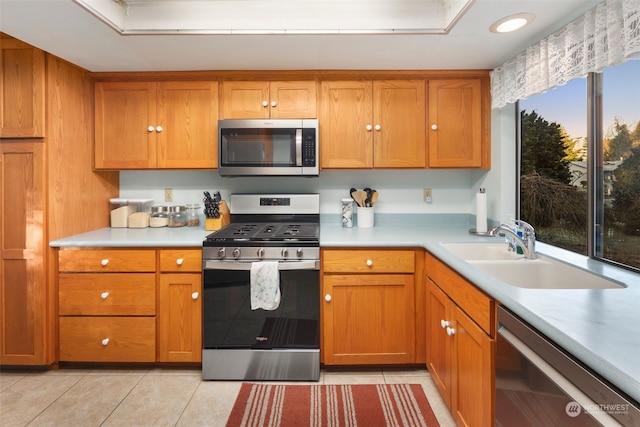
{"x":538,"y":384}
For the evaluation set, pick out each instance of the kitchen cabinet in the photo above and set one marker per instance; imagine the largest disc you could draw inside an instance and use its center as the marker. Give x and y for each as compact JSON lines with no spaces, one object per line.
{"x":269,"y":99}
{"x":107,"y":305}
{"x":130,"y":305}
{"x":373,"y":124}
{"x":460,"y":344}
{"x":180,"y":305}
{"x":32,"y":212}
{"x":458,"y":123}
{"x":368,"y":311}
{"x":156,"y":125}
{"x":22,"y":89}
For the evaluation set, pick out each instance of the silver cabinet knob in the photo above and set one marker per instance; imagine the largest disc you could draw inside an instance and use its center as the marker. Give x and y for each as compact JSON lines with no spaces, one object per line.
{"x":159,"y":129}
{"x":104,"y":262}
{"x":369,"y":263}
{"x":274,"y":103}
{"x":378,"y":127}
{"x":265,"y":104}
{"x":105,"y":341}
{"x":434,"y":127}
{"x":327,"y":297}
{"x":151,"y":128}
{"x":104,"y":295}
{"x":179,"y":261}
{"x":369,"y":127}
{"x":444,"y":323}
{"x":195,"y":295}
{"x":451,"y":331}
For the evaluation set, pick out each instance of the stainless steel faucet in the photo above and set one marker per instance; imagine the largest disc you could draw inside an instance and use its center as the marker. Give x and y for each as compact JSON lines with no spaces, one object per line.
{"x":528,"y":240}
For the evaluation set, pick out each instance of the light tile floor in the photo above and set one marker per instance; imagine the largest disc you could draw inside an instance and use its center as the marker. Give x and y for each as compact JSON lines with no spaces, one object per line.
{"x":70,"y":397}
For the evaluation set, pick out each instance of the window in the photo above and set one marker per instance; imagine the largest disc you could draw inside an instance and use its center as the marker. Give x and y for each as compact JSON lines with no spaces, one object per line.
{"x":569,"y":163}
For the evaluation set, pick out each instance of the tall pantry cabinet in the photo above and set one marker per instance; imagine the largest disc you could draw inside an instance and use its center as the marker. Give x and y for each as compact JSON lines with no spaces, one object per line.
{"x":48,"y":190}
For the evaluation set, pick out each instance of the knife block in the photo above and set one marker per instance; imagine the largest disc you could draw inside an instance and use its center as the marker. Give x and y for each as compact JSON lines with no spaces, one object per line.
{"x":212,"y":224}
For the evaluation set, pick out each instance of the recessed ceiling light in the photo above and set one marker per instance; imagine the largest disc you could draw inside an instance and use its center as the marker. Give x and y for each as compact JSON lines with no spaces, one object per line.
{"x":511,"y":23}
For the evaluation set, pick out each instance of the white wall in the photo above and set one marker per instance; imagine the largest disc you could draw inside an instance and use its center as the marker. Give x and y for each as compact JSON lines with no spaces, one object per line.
{"x":400,"y":191}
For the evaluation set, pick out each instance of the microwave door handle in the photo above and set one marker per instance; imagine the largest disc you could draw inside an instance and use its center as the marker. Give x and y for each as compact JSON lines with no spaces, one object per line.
{"x":298,"y":147}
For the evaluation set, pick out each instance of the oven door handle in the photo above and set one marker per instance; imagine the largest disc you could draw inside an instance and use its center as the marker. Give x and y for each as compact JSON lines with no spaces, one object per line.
{"x":246,"y":265}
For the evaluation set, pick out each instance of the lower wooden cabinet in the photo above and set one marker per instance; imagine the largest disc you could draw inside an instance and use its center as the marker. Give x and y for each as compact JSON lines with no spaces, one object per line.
{"x":368,"y":312}
{"x":116,"y":306}
{"x":460,"y":352}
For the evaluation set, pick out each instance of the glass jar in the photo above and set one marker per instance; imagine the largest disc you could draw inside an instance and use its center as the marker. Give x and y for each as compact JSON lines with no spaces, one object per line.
{"x":159,"y":216}
{"x":177,"y":216}
{"x":193,"y":215}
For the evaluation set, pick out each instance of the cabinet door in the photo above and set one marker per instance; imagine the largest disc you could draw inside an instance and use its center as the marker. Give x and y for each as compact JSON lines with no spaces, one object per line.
{"x":245,"y":100}
{"x":399,"y":124}
{"x":473,"y":355}
{"x":22,"y":86}
{"x":369,"y":319}
{"x":125,"y":135}
{"x":180,"y":318}
{"x":293,"y":100}
{"x":455,"y":123}
{"x":188,"y":115}
{"x":438,"y":342}
{"x":23,"y":285}
{"x":346,"y":136}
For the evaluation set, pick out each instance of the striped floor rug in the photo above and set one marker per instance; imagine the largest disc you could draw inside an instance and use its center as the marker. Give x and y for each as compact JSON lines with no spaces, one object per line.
{"x":272,"y":405}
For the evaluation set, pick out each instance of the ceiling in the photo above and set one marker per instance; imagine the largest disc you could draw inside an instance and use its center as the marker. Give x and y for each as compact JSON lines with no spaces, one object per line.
{"x":454,"y":40}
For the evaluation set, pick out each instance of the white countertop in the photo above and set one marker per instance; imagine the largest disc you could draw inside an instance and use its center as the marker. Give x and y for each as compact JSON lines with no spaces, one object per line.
{"x":599,"y":327}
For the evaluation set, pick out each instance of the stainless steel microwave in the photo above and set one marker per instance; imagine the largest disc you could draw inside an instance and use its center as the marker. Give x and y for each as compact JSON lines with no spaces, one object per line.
{"x":263,"y":147}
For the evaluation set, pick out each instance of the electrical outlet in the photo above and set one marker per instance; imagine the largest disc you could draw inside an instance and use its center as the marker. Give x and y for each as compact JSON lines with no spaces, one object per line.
{"x":168,"y":194}
{"x":427,"y":196}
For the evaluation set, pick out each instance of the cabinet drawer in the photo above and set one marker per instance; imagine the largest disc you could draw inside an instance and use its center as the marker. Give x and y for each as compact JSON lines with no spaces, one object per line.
{"x":107,"y":293}
{"x":108,"y":339}
{"x":176,"y":260}
{"x":480,"y":307}
{"x":368,"y":261}
{"x":107,"y":260}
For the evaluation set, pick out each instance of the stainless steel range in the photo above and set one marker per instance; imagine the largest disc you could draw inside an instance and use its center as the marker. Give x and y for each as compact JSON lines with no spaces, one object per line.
{"x":271,"y":243}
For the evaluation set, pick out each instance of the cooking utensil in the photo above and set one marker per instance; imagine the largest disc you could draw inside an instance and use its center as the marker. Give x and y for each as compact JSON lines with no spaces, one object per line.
{"x":374,"y":197}
{"x":355,"y":195}
{"x":367,"y":201}
{"x":362,"y":195}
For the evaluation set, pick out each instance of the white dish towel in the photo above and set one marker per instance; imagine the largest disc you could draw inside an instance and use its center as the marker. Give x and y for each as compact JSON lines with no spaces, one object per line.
{"x":265,"y":285}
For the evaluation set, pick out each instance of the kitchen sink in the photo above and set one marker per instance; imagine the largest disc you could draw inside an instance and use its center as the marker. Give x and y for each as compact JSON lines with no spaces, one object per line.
{"x":545,"y":273}
{"x":540,"y":273}
{"x":481,"y":251}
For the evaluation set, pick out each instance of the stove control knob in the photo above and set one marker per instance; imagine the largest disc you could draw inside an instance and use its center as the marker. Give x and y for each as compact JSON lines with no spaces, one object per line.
{"x":221,"y":253}
{"x":260,"y":253}
{"x":284,"y":253}
{"x":236,"y":253}
{"x":299,"y":252}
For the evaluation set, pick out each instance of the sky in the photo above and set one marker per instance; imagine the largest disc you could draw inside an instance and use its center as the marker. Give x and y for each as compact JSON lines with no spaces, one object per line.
{"x":567,"y":105}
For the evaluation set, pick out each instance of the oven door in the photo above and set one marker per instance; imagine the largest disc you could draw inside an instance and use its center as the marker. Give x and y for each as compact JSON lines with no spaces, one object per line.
{"x":230,"y":323}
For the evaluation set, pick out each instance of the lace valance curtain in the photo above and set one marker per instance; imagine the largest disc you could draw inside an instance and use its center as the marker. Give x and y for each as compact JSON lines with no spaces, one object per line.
{"x":606,"y":35}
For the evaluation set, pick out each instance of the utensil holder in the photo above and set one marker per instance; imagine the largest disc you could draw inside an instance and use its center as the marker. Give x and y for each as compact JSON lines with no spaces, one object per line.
{"x":365,"y":217}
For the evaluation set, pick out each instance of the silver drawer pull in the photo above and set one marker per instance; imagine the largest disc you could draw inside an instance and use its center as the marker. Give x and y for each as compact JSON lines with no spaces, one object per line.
{"x":105,"y":341}
{"x":104,"y":295}
{"x":179,"y":261}
{"x":195,"y":295}
{"x":104,"y":262}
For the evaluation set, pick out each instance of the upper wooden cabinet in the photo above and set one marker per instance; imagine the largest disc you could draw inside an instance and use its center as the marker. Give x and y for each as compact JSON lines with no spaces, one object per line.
{"x":372,"y":124}
{"x":156,"y":125}
{"x":22,"y":86}
{"x":264,"y":99}
{"x":458,"y":124}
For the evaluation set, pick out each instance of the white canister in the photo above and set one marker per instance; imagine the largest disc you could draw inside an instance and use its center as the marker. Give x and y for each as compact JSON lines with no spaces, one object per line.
{"x":347,"y":212}
{"x":365,"y":217}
